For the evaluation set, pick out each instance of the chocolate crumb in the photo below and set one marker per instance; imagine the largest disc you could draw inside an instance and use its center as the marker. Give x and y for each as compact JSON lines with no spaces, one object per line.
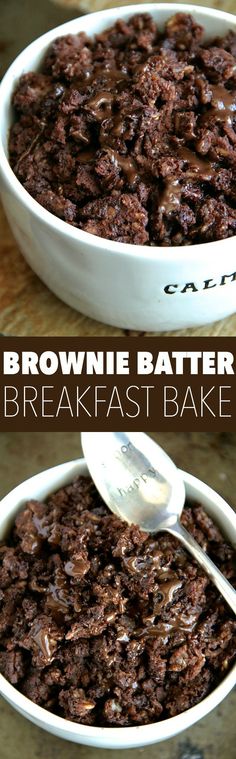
{"x":131,"y":135}
{"x":105,"y":624}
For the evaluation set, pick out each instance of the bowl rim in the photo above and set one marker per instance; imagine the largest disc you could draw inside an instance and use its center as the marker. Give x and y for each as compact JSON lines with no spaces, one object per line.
{"x":151,"y":253}
{"x":122,"y":736}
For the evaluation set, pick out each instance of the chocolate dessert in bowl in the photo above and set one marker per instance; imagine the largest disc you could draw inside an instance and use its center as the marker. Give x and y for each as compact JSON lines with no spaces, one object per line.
{"x":118,"y":163}
{"x":111,"y":636}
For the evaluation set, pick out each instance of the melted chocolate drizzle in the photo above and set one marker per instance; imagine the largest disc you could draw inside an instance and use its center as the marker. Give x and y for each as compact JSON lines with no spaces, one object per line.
{"x":223,"y":102}
{"x":126,"y":164}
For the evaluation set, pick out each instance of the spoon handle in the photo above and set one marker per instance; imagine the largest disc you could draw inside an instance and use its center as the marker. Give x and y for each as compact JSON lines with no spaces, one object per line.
{"x":224,"y":587}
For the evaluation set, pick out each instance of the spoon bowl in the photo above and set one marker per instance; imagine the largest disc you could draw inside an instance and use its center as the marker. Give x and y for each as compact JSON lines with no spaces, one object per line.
{"x":140,"y":483}
{"x":135,"y":477}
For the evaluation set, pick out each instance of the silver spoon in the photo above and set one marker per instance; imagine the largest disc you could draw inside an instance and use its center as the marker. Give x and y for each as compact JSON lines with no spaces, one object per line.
{"x":142,"y":485}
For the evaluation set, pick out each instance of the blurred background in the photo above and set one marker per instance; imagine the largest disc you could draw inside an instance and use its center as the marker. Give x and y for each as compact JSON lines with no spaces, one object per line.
{"x":211,"y":457}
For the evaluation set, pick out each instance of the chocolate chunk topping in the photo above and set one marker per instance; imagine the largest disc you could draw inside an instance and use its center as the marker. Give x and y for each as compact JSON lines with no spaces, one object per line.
{"x":133,"y":113}
{"x":105,"y":624}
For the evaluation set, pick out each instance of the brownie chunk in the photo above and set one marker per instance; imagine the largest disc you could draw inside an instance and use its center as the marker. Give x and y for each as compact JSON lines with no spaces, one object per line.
{"x":123,"y":218}
{"x":131,"y":135}
{"x":105,"y":624}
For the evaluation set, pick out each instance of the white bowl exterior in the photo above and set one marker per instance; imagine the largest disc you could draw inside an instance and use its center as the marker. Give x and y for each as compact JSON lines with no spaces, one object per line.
{"x":40,"y":486}
{"x":119,"y":284}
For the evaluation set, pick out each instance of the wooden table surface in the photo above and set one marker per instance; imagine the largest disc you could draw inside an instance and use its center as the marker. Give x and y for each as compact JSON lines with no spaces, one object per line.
{"x":26,"y":305}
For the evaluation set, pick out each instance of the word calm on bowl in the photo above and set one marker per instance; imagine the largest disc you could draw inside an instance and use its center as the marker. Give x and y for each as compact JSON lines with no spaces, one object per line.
{"x":142,"y":287}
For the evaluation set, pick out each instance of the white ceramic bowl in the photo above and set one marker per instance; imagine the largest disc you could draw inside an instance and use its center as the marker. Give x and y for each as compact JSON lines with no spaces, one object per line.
{"x":39,"y":487}
{"x":129,"y":286}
